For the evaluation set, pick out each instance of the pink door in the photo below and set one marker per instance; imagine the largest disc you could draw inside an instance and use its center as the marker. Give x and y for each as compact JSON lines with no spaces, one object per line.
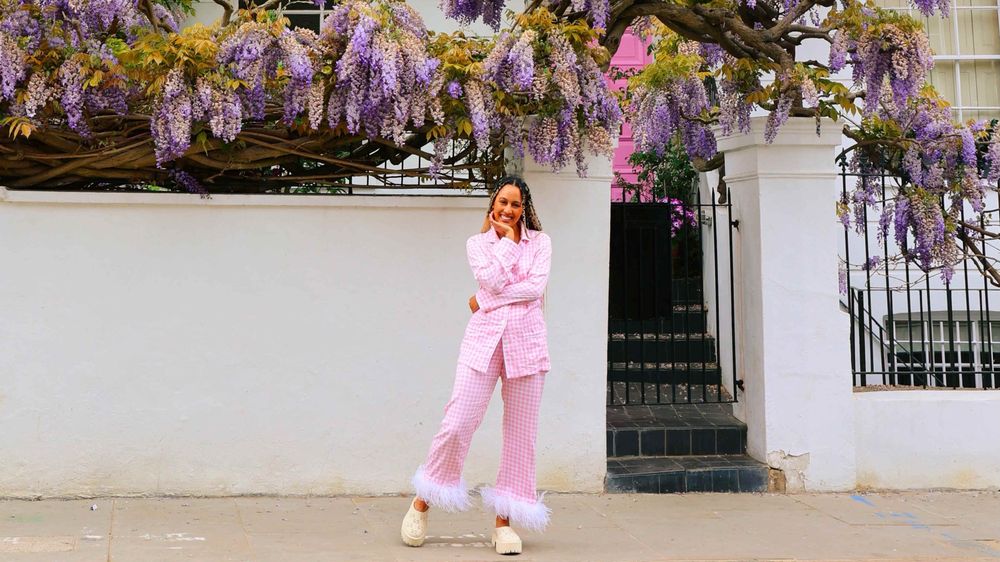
{"x":631,"y":55}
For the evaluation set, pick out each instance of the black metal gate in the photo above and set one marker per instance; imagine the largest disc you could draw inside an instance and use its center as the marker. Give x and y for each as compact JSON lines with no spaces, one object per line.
{"x":664,"y":321}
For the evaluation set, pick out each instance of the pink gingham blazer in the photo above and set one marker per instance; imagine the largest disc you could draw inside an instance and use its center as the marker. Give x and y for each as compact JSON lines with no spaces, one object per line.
{"x":512,"y":278}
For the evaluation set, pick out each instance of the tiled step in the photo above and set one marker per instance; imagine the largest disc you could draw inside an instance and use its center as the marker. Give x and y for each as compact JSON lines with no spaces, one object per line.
{"x":674,"y":430}
{"x":635,"y":393}
{"x":664,"y":373}
{"x":661,"y":348}
{"x":664,"y":475}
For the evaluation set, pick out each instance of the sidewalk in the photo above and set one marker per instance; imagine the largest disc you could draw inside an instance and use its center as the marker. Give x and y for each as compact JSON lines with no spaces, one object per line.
{"x":885,"y":526}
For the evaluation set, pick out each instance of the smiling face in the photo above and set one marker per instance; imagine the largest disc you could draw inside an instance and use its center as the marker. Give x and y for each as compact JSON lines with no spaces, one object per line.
{"x":507,"y":207}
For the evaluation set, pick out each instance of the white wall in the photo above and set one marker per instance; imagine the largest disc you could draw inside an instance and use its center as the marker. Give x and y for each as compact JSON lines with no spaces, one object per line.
{"x":166,"y":344}
{"x":793,"y":354}
{"x":927,"y":439}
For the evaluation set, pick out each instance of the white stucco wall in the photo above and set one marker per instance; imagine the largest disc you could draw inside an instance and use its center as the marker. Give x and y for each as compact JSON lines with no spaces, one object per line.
{"x":927,"y":439}
{"x":166,"y":344}
{"x":793,"y":353}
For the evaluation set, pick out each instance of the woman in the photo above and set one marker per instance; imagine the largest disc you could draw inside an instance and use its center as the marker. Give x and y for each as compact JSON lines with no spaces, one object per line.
{"x":505,"y":339}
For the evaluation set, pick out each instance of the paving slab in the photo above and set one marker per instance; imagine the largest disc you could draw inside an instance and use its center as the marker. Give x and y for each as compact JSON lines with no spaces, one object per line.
{"x":70,"y":530}
{"x":876,"y":509}
{"x":911,"y":526}
{"x":165,"y":529}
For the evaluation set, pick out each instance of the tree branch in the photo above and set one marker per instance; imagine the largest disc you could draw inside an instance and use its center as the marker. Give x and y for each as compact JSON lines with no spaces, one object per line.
{"x":268,"y":5}
{"x":702,"y":165}
{"x":981,"y":260}
{"x":793,"y":15}
{"x":227,"y":11}
{"x":980,"y":231}
{"x":147,"y":9}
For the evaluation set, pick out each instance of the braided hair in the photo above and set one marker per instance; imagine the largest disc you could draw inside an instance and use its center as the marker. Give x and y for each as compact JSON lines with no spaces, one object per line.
{"x":528,"y":216}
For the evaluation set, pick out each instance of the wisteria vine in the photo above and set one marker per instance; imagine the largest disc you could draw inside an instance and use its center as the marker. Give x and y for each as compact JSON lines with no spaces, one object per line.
{"x":693,"y":91}
{"x":373,"y":71}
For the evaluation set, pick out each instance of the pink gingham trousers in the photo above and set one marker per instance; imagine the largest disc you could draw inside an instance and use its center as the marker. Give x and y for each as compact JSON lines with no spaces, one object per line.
{"x":439,"y":480}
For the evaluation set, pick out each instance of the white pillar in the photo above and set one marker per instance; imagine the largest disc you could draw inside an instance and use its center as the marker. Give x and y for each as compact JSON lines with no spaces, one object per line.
{"x":576,"y":212}
{"x":793,"y":338}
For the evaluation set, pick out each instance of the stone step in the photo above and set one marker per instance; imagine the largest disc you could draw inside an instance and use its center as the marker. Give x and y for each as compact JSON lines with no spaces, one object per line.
{"x":674,"y":430}
{"x":666,"y":475}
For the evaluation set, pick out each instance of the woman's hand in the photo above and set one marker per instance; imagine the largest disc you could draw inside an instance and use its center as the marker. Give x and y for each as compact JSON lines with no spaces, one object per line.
{"x":503,"y":229}
{"x":473,"y":304}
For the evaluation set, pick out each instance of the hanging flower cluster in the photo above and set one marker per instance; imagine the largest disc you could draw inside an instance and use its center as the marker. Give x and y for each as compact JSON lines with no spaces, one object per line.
{"x":668,"y":100}
{"x":551,"y":72}
{"x":171,"y":124}
{"x":383,"y":79}
{"x":468,"y":11}
{"x":938,"y":168}
{"x":253,"y":53}
{"x":894,"y":53}
{"x":936,"y":159}
{"x":599,"y":11}
{"x":12,"y":65}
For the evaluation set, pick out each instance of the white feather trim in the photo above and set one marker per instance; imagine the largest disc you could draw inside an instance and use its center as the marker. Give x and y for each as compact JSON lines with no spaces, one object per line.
{"x":452,"y":498}
{"x":530,"y":515}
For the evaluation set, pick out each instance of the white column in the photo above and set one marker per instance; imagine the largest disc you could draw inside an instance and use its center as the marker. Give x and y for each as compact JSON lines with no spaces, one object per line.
{"x":576,"y":212}
{"x":793,"y":338}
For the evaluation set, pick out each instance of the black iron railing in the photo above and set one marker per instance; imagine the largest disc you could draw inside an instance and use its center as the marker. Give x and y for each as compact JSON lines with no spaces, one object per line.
{"x":671,"y":301}
{"x":908,"y":326}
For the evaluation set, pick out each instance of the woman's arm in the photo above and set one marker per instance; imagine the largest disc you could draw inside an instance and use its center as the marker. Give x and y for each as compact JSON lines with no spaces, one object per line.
{"x":492,"y":264}
{"x":532,"y":288}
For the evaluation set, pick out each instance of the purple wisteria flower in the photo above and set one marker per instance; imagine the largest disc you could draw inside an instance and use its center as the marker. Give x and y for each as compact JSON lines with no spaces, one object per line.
{"x":187,"y":181}
{"x":993,"y":157}
{"x":889,"y":54}
{"x":385,"y":80}
{"x":927,"y":7}
{"x":468,"y":11}
{"x":167,"y":17}
{"x":658,"y":114}
{"x":171,"y":123}
{"x":777,"y":118}
{"x":598,"y":9}
{"x":19,"y":23}
{"x":12,"y":65}
{"x":872,"y":263}
{"x":72,"y":97}
{"x":521,"y":59}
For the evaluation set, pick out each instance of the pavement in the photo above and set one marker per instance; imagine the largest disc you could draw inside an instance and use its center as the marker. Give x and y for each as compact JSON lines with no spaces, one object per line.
{"x":875,"y":526}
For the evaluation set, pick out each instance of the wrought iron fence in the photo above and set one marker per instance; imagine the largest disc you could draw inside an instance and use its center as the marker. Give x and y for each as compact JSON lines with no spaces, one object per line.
{"x":670,"y":324}
{"x":908,"y":327}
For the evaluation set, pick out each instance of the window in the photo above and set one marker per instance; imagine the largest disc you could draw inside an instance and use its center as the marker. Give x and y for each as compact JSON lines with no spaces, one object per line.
{"x":966,"y":55}
{"x":302,"y":13}
{"x":966,"y":353}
